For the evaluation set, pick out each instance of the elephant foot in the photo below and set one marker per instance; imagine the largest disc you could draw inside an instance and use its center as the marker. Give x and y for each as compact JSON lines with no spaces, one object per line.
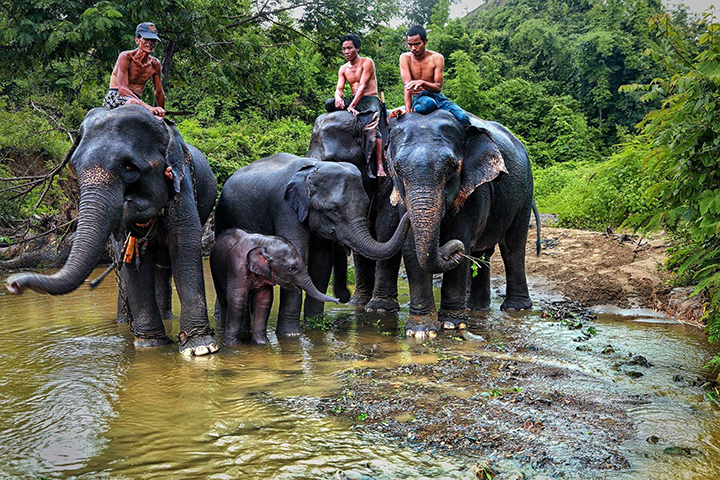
{"x":231,"y":340}
{"x":453,"y":319}
{"x":155,"y":341}
{"x":479,"y":305}
{"x":260,"y":339}
{"x":288,"y":329}
{"x":359,"y":300}
{"x":516,"y":304}
{"x":197,"y":341}
{"x":382,"y":305}
{"x":421,"y":326}
{"x":122,"y":316}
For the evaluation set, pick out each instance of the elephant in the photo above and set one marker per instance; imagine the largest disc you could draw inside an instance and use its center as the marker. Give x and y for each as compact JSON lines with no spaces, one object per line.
{"x":245,"y":266}
{"x":464,"y":190}
{"x":140,"y":182}
{"x":311,"y":204}
{"x":342,"y":137}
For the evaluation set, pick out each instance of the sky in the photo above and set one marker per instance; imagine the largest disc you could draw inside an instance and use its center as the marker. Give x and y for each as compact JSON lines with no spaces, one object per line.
{"x":463,"y":7}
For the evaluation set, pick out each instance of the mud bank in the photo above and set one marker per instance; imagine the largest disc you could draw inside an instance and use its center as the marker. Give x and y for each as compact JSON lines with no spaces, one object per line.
{"x":605,"y":268}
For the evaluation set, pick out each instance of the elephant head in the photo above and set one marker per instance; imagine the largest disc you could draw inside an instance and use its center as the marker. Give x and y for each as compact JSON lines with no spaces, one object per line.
{"x":120,"y":165}
{"x":280,"y":263}
{"x":436,"y":165}
{"x":329,"y":196}
{"x":342,"y":137}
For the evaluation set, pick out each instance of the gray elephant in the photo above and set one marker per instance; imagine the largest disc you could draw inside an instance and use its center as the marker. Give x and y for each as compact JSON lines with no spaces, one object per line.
{"x":465,"y":190}
{"x":343,"y":137}
{"x":140,"y":182}
{"x":245,"y":266}
{"x":311,"y":204}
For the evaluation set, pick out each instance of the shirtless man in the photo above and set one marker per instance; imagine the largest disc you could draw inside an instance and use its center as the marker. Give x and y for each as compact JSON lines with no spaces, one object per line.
{"x":132,"y":71}
{"x":422,"y":74}
{"x":359,"y":72}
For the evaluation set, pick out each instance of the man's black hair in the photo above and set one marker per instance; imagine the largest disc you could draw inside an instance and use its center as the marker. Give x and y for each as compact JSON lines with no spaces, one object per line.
{"x":417,"y":30}
{"x":353,"y":38}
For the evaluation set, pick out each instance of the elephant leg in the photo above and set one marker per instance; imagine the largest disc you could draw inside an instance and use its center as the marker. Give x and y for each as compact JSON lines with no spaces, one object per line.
{"x":319,"y":268}
{"x":288,"y":322}
{"x":237,"y":297}
{"x":340,"y":273}
{"x":364,"y":280}
{"x":139,"y":286}
{"x":262,"y":302}
{"x":512,"y":249}
{"x":453,"y":303}
{"x":385,"y":293}
{"x":480,"y":281}
{"x":163,"y":292}
{"x":422,"y":320}
{"x":220,"y":314}
{"x":195,"y":337}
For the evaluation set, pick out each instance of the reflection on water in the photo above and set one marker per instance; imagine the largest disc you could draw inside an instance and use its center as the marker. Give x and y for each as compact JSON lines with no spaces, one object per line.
{"x":77,"y":399}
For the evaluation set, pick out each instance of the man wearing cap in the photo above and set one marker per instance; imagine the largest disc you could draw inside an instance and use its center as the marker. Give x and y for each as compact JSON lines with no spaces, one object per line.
{"x":132,"y":71}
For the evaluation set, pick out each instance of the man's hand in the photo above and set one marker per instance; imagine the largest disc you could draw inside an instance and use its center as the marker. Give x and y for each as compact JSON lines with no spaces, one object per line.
{"x":397,"y":113}
{"x":415,"y":86}
{"x":158,"y":111}
{"x":339,"y":102}
{"x":353,"y":111}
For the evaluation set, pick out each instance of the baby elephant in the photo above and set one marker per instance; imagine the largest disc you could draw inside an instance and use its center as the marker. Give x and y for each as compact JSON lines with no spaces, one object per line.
{"x":245,"y":266}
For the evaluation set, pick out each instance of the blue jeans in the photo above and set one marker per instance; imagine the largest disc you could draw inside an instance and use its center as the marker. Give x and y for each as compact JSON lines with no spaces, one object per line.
{"x":426,"y":102}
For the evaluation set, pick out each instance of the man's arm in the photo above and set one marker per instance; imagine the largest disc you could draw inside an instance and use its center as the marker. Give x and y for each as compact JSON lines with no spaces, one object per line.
{"x":368,"y":73}
{"x":339,"y":103}
{"x":159,"y":92}
{"x":406,"y":77}
{"x":416,"y":86}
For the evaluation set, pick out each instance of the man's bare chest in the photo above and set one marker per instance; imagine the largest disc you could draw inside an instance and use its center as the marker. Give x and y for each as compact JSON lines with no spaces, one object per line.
{"x":139,"y":74}
{"x":353,"y":74}
{"x":422,"y":70}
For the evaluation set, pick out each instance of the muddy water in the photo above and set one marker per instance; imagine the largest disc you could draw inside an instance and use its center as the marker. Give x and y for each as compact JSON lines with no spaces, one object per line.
{"x":78,"y":400}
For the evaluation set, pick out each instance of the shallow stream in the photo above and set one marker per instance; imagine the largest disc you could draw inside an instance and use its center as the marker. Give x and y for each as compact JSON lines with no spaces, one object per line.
{"x":78,"y":400}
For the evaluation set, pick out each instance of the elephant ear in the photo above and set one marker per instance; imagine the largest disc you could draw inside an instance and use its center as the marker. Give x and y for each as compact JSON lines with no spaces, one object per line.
{"x":257,"y":262}
{"x":175,"y":154}
{"x":482,"y":163}
{"x":297,"y":192}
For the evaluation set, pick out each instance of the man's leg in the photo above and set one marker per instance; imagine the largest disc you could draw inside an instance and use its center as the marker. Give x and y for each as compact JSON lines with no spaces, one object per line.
{"x":379,"y":157}
{"x":424,"y":105}
{"x":330,"y":105}
{"x":455,"y":109}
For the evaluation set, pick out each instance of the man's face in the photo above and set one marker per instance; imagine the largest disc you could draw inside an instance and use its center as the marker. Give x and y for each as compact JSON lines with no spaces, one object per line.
{"x":416,"y":45}
{"x":146,"y":44}
{"x":349,"y":51}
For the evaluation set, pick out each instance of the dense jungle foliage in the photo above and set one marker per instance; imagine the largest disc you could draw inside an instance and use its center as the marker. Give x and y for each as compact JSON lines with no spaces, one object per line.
{"x":614,"y":99}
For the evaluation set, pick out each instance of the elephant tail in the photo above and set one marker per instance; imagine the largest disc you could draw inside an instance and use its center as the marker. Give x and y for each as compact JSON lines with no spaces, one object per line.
{"x":537,"y":224}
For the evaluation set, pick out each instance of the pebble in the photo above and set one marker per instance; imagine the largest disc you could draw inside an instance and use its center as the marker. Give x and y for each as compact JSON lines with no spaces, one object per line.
{"x":678,"y":378}
{"x":653,"y":439}
{"x":633,"y":374}
{"x":678,"y":451}
{"x":608,"y":350}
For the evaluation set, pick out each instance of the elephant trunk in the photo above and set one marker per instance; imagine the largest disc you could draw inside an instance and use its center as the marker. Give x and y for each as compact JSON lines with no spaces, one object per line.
{"x":358,"y":237}
{"x":306,"y":283}
{"x":425,"y":208}
{"x":95,"y":223}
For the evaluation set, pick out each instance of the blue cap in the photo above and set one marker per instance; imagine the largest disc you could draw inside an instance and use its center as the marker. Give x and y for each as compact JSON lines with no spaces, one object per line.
{"x":147,"y":30}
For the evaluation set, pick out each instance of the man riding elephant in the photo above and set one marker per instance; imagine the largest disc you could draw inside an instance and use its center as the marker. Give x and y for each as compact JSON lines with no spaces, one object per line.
{"x":359,"y":72}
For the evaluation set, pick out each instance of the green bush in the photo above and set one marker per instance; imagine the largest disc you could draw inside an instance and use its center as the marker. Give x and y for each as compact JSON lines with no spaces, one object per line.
{"x":229,"y":147}
{"x":597,"y":195}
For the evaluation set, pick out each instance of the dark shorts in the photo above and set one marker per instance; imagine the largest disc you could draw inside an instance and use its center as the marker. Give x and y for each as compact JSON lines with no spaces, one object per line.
{"x":371,"y":103}
{"x":113,"y":99}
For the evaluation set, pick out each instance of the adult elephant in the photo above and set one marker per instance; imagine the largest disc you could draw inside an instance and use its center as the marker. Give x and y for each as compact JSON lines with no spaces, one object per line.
{"x":311,"y":204}
{"x":140,"y":180}
{"x":342,"y":137}
{"x":465,"y":190}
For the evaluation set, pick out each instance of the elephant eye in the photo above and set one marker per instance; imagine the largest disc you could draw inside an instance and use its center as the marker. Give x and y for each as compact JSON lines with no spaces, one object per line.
{"x":292,"y":269}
